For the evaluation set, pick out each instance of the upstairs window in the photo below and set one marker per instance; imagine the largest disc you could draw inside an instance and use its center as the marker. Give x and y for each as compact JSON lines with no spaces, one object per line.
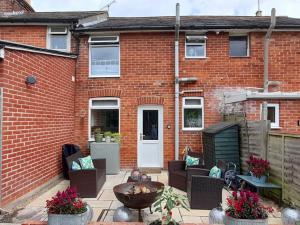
{"x":192,"y":113}
{"x":104,"y":114}
{"x":239,"y":45}
{"x":195,"y":46}
{"x":58,"y":38}
{"x":104,"y":56}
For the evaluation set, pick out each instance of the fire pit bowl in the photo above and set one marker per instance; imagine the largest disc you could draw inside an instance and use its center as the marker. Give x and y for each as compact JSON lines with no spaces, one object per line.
{"x":125,"y":194}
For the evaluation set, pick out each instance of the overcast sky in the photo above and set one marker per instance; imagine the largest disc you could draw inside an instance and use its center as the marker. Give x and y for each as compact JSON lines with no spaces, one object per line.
{"x":167,"y":7}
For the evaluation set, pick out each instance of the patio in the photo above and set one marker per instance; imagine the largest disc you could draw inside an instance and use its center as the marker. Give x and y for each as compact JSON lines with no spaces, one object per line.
{"x":106,"y":202}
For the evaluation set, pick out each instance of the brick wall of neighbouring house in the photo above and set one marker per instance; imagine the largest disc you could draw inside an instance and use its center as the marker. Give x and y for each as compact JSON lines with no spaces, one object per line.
{"x":29,"y":35}
{"x":37,"y":120}
{"x":12,"y":5}
{"x":147,"y":76}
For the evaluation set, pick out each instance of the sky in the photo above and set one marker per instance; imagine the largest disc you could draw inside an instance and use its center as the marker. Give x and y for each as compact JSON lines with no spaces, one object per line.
{"x":289,"y":8}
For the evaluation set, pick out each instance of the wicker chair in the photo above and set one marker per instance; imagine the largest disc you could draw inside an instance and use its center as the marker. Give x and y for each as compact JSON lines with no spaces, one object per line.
{"x":204,"y":192}
{"x":178,"y":173}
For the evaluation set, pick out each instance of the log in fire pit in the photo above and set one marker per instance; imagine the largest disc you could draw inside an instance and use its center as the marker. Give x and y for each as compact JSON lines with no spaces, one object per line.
{"x":139,"y":195}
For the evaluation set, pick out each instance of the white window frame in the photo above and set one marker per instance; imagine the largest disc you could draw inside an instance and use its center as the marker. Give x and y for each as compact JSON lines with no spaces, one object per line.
{"x":276,"y":124}
{"x":68,"y":36}
{"x":102,"y":107}
{"x":248,"y":44}
{"x":203,"y":37}
{"x":192,"y":107}
{"x":94,"y":43}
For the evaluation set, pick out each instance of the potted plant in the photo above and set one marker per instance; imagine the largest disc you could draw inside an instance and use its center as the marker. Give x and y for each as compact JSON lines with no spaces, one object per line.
{"x":97,"y":135}
{"x":66,"y":208}
{"x":244,"y":208}
{"x":259,"y":169}
{"x":116,"y":137}
{"x":107,"y":136}
{"x":166,"y":203}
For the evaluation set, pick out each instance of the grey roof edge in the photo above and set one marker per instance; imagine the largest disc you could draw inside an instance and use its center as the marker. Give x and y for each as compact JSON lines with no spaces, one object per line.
{"x":19,"y":46}
{"x":218,"y":127}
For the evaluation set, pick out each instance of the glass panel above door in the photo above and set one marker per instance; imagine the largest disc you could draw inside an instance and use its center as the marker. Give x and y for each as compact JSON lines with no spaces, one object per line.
{"x":150,"y":125}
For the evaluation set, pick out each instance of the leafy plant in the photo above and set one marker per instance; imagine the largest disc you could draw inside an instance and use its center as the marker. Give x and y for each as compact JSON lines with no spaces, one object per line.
{"x":116,"y":136}
{"x":167,"y":202}
{"x":66,"y":202}
{"x":259,"y":167}
{"x":97,"y":131}
{"x":246,"y":205}
{"x":107,"y":134}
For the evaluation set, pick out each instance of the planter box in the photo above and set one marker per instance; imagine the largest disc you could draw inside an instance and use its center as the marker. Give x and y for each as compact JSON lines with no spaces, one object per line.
{"x":232,"y":221}
{"x":108,"y":151}
{"x":57,"y":219}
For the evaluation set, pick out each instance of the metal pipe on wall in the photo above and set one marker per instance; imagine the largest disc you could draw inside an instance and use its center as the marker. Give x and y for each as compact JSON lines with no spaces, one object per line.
{"x":177,"y":27}
{"x":266,"y":62}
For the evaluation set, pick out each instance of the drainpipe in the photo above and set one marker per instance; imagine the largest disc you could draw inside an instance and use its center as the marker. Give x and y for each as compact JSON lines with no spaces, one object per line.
{"x":177,"y":27}
{"x":266,"y":60}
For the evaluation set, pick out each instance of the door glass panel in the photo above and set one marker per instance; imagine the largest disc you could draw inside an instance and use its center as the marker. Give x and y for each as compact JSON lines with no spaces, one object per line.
{"x":150,"y":125}
{"x":271,"y":114}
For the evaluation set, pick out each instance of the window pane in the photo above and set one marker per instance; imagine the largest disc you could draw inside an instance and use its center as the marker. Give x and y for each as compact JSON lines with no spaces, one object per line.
{"x":104,"y":103}
{"x":105,"y":60}
{"x":192,"y":118}
{"x":58,"y":29}
{"x":105,"y":119}
{"x":58,"y":42}
{"x":195,"y":50}
{"x":238,"y":45}
{"x":192,"y":101}
{"x":150,"y":124}
{"x":271,"y":114}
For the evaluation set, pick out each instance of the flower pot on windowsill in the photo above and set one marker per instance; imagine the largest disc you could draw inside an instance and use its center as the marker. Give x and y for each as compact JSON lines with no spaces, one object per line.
{"x":107,"y":139}
{"x":98,"y":138}
{"x":228,"y":220}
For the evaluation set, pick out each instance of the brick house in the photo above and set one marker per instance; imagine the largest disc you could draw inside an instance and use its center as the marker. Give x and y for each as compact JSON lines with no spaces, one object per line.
{"x":94,"y":71}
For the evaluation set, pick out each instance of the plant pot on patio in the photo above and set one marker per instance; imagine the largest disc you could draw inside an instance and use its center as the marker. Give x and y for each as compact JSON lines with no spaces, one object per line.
{"x":65,"y":208}
{"x":244,"y":208}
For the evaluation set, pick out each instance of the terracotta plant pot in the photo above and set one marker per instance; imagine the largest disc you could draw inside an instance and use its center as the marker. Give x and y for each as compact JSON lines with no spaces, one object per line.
{"x":233,"y":221}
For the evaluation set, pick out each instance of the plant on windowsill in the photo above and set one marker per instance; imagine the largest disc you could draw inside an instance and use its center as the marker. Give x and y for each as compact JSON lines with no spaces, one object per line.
{"x":116,"y":137}
{"x":107,"y":136}
{"x":259,"y":169}
{"x":192,"y":119}
{"x":244,"y":208}
{"x":98,"y":135}
{"x":66,"y":208}
{"x":166,"y":203}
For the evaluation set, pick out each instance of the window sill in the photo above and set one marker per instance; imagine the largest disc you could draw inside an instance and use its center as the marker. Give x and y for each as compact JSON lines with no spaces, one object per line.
{"x":196,"y":57}
{"x":192,"y":129}
{"x":276,"y":128}
{"x":105,"y":76}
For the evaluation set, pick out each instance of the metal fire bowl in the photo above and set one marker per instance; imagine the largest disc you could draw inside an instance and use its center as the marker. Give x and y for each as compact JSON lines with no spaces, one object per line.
{"x":141,"y":200}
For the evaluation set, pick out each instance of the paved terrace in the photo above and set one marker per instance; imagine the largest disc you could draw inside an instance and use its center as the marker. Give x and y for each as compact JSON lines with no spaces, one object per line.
{"x":106,"y":203}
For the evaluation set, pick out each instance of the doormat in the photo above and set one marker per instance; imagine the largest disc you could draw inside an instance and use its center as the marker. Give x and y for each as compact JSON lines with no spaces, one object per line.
{"x":150,"y":170}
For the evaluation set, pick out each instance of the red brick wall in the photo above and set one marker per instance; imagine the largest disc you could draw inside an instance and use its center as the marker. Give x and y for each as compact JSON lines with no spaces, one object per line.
{"x":37,"y":120}
{"x":147,"y":70}
{"x":10,"y":6}
{"x":30,"y":35}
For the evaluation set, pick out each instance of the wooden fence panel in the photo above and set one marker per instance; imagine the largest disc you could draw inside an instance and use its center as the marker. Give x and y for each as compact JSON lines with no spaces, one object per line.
{"x":291,"y":170}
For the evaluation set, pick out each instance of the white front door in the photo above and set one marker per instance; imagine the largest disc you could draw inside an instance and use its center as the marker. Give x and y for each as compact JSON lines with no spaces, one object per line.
{"x":150,"y":136}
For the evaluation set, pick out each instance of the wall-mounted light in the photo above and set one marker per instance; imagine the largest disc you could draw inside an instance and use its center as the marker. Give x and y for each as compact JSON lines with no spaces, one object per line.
{"x":30,"y":80}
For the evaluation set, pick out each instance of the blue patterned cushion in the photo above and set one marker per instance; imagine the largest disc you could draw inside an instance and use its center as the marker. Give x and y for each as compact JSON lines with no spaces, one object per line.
{"x":191,"y":161}
{"x":215,"y":172}
{"x":75,"y":166}
{"x":86,"y":163}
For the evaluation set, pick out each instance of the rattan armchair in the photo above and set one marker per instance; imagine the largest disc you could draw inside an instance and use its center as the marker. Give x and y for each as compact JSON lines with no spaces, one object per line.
{"x":204,"y":192}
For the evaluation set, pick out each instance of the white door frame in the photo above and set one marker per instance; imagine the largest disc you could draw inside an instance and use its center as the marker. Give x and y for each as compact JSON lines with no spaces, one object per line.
{"x":160,"y":132}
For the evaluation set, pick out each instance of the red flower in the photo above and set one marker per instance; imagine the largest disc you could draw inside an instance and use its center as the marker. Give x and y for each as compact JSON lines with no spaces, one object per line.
{"x":258,"y":166}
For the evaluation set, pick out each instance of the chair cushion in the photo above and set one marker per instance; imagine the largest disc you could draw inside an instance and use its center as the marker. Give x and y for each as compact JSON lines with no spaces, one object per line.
{"x":87,"y":163}
{"x":215,"y":172}
{"x":191,"y":161}
{"x":76,"y":166}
